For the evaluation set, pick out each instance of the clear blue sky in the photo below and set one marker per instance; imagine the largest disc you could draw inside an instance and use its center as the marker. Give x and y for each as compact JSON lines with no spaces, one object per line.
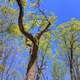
{"x":63,"y":9}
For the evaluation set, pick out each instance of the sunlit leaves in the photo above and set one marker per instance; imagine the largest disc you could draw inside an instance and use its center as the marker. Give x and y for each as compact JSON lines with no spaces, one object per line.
{"x":1,"y":22}
{"x":45,"y":46}
{"x":6,"y":10}
{"x":68,"y":30}
{"x":27,"y":27}
{"x":7,"y":17}
{"x":48,"y":35}
{"x":73,"y":25}
{"x":1,"y":42}
{"x":1,"y":25}
{"x":33,"y":23}
{"x":24,"y":3}
{"x":40,"y":20}
{"x":2,"y":68}
{"x":68,"y":36}
{"x":44,"y":24}
{"x":14,"y":29}
{"x":48,"y":51}
{"x":1,"y":49}
{"x":56,"y":72}
{"x":28,"y":43}
{"x":11,"y":1}
{"x":59,"y":70}
{"x":12,"y":11}
{"x":52,"y":19}
{"x":43,"y":43}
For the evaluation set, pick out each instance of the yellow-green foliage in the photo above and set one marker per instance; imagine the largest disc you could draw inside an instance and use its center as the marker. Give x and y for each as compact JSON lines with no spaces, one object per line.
{"x":24,"y":2}
{"x":2,"y":68}
{"x":52,"y":19}
{"x":45,"y":43}
{"x":1,"y":23}
{"x":73,"y":25}
{"x":68,"y":35}
{"x":59,"y":70}
{"x":6,"y":10}
{"x":14,"y":29}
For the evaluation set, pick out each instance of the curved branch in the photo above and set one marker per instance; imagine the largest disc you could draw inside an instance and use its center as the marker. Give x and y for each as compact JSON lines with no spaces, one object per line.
{"x":46,"y":28}
{"x":20,"y":22}
{"x":29,"y":36}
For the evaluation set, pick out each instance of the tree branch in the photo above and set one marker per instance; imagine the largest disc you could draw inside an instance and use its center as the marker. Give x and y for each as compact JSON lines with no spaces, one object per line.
{"x":20,"y":22}
{"x":46,"y":28}
{"x":27,"y":35}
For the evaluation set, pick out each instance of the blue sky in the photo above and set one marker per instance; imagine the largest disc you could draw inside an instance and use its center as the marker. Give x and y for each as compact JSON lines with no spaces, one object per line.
{"x":63,"y":9}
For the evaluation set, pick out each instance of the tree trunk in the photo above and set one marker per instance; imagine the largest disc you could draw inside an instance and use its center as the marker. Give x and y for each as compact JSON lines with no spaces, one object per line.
{"x":31,"y":73}
{"x":73,"y":77}
{"x":71,"y":72}
{"x":31,"y":70}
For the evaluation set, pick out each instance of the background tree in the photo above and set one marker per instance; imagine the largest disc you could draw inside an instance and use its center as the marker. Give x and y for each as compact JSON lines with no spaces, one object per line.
{"x":69,"y":42}
{"x":7,"y":41}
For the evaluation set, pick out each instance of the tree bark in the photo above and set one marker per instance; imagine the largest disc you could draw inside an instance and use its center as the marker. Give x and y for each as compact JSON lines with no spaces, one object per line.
{"x":72,"y":72}
{"x":71,"y":64}
{"x":31,"y":70}
{"x":31,"y":73}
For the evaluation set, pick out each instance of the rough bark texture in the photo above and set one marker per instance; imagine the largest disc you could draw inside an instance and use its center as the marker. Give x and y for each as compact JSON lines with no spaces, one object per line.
{"x":72,"y":72}
{"x":31,"y":73}
{"x":31,"y":67}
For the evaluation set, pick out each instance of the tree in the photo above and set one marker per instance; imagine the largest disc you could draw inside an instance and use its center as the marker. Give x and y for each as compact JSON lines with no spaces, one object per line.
{"x":34,"y":41}
{"x":69,"y":42}
{"x":7,"y":50}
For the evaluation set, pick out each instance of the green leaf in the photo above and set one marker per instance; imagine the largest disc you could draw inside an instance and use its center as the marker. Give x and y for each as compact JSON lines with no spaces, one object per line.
{"x":2,"y":68}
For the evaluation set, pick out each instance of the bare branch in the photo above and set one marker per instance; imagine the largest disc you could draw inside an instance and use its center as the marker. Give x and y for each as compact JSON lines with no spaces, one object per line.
{"x":48,"y":25}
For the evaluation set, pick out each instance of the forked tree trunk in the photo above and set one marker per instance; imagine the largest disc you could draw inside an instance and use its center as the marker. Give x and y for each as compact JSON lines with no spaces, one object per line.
{"x":32,"y":63}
